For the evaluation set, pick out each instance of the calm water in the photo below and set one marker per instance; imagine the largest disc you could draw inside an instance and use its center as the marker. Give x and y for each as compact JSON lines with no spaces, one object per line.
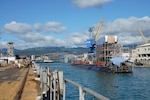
{"x":129,"y":86}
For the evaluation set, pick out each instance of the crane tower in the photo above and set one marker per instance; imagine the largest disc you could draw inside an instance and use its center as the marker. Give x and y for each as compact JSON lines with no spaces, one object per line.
{"x":10,"y":51}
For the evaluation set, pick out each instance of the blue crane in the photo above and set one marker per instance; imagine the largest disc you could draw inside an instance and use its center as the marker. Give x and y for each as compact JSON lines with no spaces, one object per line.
{"x":90,"y":43}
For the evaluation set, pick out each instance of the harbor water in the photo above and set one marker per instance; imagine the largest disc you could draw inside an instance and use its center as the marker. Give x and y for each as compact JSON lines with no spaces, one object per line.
{"x":115,"y":86}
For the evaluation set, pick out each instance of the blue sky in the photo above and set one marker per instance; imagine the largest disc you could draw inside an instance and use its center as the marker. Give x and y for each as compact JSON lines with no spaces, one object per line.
{"x":40,"y":23}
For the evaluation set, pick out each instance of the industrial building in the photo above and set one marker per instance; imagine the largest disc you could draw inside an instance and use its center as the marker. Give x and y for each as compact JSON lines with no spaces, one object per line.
{"x":143,"y":51}
{"x":142,"y":54}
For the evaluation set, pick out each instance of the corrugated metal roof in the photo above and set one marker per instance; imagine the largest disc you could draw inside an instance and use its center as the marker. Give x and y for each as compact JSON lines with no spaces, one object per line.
{"x":144,"y":45}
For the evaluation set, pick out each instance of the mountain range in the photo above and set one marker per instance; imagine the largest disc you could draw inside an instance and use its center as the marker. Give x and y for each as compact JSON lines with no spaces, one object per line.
{"x":47,"y":50}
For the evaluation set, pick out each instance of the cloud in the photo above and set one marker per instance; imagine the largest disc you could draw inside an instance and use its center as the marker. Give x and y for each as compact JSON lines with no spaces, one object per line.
{"x":129,"y":25}
{"x":17,"y":28}
{"x":90,"y":3}
{"x":126,"y":29}
{"x":76,"y":39}
{"x":55,"y":27}
{"x":32,"y":39}
{"x":28,"y":37}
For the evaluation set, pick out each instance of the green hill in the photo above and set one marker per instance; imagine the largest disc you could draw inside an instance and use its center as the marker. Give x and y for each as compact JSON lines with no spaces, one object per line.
{"x":47,"y":50}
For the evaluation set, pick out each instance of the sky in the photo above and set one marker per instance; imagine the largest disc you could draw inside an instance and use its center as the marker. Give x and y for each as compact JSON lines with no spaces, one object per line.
{"x":46,"y":23}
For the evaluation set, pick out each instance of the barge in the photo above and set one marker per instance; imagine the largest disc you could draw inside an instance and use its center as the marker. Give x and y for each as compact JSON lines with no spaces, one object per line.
{"x":106,"y":58}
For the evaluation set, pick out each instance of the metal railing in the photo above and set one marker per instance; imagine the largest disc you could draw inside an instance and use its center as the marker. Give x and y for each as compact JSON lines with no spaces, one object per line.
{"x":82,"y":91}
{"x":53,"y":85}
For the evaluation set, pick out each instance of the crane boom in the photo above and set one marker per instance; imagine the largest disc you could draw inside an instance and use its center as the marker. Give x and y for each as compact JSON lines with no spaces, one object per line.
{"x":98,"y":30}
{"x":142,"y":35}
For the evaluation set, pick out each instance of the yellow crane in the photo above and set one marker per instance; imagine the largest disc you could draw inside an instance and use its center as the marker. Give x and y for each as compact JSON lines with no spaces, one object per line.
{"x":144,"y":38}
{"x":98,"y":30}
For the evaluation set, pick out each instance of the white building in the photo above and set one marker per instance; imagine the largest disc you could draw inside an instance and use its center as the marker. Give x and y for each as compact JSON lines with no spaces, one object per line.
{"x":7,"y":59}
{"x":125,"y":53}
{"x":32,"y":57}
{"x":142,"y":52}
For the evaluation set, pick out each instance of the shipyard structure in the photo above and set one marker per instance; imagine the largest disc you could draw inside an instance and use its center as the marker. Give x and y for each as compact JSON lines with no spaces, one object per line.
{"x":108,"y":49}
{"x":108,"y":57}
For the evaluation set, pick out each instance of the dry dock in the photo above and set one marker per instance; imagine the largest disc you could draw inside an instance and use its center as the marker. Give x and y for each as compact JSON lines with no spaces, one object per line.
{"x":17,"y":84}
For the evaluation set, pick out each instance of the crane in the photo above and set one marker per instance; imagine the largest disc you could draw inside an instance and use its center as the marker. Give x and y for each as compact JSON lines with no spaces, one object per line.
{"x":92,"y":42}
{"x":144,"y":38}
{"x":98,"y":30}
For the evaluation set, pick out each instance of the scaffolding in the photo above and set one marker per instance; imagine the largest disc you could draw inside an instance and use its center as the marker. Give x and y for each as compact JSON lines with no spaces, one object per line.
{"x":107,"y":51}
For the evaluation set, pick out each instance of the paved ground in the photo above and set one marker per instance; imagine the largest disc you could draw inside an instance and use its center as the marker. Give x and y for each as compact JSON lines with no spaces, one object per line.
{"x":10,"y":75}
{"x":11,"y":81}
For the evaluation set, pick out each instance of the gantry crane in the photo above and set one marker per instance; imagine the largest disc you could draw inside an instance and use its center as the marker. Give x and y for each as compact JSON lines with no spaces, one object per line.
{"x":144,"y":38}
{"x":92,"y":42}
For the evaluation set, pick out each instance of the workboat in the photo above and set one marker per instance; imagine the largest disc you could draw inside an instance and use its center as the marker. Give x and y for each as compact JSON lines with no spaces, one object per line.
{"x":106,"y":58}
{"x":119,"y":65}
{"x":47,"y":61}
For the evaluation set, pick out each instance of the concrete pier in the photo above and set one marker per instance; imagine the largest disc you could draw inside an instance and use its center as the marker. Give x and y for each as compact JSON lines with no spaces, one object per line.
{"x":17,"y":84}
